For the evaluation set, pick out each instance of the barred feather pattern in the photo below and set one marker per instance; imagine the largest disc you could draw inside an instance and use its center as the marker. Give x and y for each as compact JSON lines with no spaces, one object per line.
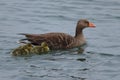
{"x":54,"y":40}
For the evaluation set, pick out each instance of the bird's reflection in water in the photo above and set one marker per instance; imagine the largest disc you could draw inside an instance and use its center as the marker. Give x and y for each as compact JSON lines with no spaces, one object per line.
{"x":80,"y":50}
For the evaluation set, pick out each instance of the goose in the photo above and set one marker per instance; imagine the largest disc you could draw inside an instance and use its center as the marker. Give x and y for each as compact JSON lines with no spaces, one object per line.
{"x":57,"y":40}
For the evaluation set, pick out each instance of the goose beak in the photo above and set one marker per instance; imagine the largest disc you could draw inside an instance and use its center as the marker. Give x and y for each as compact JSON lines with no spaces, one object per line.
{"x":91,"y":25}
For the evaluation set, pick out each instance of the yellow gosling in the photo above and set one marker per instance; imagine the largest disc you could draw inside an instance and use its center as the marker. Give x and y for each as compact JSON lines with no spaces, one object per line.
{"x":41,"y":49}
{"x":29,"y":49}
{"x":22,"y":50}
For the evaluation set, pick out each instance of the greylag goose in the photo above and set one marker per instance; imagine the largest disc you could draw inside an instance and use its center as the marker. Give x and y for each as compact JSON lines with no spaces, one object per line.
{"x":57,"y":40}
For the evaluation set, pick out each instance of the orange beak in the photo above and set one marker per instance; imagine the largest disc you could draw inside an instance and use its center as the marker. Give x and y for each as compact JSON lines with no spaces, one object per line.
{"x":91,"y":25}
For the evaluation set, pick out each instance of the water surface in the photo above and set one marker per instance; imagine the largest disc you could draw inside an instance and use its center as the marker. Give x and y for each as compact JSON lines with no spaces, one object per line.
{"x":101,"y":54}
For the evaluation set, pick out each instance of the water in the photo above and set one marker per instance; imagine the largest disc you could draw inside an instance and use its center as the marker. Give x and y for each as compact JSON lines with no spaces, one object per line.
{"x":101,"y":55}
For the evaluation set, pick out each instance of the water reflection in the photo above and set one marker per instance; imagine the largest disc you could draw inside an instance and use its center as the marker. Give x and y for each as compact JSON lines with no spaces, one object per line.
{"x":99,"y":60}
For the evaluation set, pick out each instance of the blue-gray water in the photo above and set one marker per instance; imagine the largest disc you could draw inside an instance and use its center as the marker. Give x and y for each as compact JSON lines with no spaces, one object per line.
{"x":102,"y":52}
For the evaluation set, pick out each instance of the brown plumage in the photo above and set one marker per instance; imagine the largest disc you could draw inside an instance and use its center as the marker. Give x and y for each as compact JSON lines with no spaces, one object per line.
{"x":61,"y":40}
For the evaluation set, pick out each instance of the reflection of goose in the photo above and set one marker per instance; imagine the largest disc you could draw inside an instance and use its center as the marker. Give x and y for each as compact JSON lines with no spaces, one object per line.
{"x":61,"y":40}
{"x":40,"y":49}
{"x":22,"y":50}
{"x":28,"y":49}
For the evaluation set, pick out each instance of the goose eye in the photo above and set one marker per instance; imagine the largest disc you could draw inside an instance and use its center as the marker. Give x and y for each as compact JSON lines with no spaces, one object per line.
{"x":87,"y":23}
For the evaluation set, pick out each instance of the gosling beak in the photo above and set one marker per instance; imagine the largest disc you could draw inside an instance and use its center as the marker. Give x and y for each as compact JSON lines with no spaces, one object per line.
{"x":91,"y":25}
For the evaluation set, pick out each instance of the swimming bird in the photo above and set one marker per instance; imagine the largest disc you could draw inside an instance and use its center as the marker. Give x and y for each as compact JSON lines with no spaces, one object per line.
{"x":57,"y":40}
{"x":28,"y":49}
{"x":43,"y":48}
{"x":22,"y":50}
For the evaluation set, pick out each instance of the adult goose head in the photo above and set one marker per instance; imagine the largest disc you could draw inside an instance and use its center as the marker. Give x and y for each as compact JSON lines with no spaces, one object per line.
{"x":81,"y":24}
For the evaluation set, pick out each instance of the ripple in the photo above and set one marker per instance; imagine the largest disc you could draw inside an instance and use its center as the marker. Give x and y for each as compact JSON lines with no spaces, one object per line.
{"x":99,"y":58}
{"x":81,"y":59}
{"x":105,"y":54}
{"x":74,"y":77}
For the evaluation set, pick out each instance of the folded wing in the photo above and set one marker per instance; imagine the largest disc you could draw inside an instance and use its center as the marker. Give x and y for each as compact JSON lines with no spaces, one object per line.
{"x":54,"y":40}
